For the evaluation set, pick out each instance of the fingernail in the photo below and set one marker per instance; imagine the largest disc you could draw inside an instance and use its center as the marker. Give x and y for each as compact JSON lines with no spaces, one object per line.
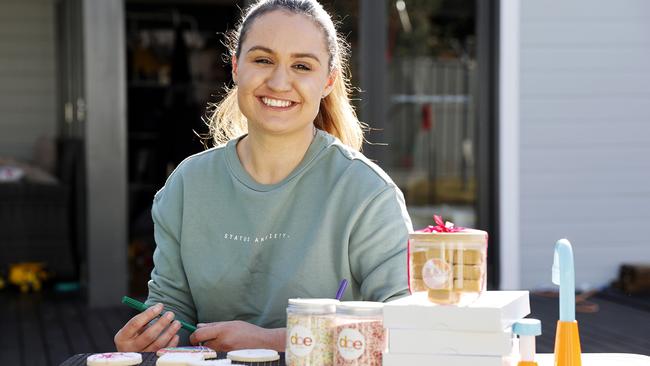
{"x":177,"y":324}
{"x":158,"y":307}
{"x":169,"y":315}
{"x":200,"y":325}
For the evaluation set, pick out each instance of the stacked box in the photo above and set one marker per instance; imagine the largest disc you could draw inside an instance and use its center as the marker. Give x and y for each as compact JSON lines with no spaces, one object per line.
{"x":423,"y":333}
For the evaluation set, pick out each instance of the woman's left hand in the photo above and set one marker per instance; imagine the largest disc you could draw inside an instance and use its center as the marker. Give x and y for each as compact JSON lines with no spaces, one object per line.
{"x":237,"y":334}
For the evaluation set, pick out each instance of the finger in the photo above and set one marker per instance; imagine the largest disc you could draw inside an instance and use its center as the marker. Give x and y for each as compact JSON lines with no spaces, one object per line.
{"x":153,"y":331}
{"x":206,"y":333}
{"x":165,"y":337}
{"x":173,"y":342}
{"x":193,"y":339}
{"x":213,"y":344}
{"x":136,"y":324}
{"x":122,"y":343}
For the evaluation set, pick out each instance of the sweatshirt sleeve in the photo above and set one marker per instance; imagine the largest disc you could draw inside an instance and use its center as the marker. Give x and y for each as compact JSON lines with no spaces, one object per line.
{"x":168,"y":284}
{"x":378,"y":245}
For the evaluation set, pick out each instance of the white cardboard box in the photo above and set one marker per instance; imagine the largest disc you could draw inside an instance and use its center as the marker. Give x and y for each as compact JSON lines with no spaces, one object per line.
{"x":494,"y":311}
{"x":450,"y":342}
{"x":404,"y":359}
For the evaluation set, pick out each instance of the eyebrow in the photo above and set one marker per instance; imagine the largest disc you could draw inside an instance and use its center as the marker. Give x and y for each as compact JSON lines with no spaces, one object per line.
{"x":294,"y":55}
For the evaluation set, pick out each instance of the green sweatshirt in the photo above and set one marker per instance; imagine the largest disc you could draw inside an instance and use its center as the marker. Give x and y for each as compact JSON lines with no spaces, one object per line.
{"x":229,"y":248}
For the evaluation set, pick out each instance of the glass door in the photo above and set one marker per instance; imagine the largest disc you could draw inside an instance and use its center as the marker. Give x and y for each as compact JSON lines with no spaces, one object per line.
{"x":431,"y":126}
{"x":440,"y":125}
{"x":427,"y":74}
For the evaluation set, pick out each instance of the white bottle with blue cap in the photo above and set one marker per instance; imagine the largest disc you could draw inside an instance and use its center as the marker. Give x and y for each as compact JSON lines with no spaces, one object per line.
{"x":527,"y":330}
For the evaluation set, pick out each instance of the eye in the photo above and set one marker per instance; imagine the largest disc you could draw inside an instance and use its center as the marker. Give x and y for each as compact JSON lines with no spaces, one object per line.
{"x":262,"y":61}
{"x":303,"y":67}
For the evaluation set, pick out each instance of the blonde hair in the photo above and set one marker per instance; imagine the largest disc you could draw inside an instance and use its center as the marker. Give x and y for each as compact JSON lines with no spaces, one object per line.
{"x":336,"y":114}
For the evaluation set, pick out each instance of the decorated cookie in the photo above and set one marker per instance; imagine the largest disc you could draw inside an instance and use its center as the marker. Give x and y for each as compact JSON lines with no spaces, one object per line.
{"x":114,"y":359}
{"x":205,"y":351}
{"x":253,"y":355}
{"x":179,"y":359}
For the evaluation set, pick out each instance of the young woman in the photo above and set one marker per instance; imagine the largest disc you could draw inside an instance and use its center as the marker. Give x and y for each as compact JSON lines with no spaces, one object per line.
{"x":284,"y":207}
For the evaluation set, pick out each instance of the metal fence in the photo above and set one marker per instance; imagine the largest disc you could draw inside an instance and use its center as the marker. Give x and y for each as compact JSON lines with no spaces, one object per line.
{"x":431,"y":129}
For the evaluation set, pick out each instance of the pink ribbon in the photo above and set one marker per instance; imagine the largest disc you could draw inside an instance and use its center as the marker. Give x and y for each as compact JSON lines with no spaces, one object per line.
{"x":441,"y":227}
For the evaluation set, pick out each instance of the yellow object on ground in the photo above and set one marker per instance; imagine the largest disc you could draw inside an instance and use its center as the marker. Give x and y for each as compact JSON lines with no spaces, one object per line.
{"x":26,"y":275}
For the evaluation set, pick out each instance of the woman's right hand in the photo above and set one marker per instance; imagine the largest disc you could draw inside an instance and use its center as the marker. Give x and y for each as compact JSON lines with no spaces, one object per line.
{"x":138,"y":336}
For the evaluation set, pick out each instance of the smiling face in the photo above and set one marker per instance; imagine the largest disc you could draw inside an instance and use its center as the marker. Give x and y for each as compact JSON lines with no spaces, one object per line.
{"x":282,"y":73}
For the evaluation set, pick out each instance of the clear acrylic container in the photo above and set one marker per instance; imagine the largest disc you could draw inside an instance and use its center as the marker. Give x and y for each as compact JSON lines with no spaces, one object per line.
{"x":449,"y":266}
{"x":360,"y":335}
{"x":310,"y":332}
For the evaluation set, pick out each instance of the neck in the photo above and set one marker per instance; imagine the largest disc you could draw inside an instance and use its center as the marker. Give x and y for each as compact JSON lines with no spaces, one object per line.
{"x":270,"y":159}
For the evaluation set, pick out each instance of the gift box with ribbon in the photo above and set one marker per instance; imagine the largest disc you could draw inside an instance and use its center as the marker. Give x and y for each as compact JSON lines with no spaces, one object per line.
{"x":448,"y":262}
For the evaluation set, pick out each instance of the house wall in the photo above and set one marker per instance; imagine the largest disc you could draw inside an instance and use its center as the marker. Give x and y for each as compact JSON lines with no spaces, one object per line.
{"x":584,"y":136}
{"x":27,"y":75}
{"x":508,"y":144}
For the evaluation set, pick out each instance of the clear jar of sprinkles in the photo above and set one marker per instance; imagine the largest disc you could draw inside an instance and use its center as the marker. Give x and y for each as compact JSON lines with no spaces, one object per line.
{"x":360,"y":336}
{"x":310,"y":332}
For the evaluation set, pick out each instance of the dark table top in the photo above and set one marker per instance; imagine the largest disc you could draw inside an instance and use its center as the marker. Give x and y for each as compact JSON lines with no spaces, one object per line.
{"x":149,"y":359}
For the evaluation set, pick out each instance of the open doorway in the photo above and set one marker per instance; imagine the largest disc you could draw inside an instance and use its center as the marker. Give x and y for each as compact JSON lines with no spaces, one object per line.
{"x":175,"y":67}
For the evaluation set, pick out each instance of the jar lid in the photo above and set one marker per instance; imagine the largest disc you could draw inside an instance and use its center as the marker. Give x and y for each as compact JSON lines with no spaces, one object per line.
{"x":527,"y":327}
{"x":314,"y":305}
{"x":360,"y":308}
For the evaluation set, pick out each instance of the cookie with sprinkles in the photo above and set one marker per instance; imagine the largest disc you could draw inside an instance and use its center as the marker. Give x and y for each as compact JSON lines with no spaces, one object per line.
{"x":205,"y":351}
{"x":114,"y":359}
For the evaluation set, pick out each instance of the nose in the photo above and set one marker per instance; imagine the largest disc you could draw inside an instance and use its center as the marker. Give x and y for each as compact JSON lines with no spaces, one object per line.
{"x":279,"y":80}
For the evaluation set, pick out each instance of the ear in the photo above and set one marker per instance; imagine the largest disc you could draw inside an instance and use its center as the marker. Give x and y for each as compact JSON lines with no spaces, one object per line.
{"x":330,"y":82}
{"x":233,"y":63}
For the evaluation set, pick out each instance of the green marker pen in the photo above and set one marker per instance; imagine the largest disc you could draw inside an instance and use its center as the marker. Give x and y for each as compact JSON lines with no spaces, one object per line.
{"x":137,"y":305}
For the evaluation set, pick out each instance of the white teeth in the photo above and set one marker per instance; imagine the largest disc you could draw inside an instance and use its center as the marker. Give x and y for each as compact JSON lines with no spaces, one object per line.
{"x":276,"y":102}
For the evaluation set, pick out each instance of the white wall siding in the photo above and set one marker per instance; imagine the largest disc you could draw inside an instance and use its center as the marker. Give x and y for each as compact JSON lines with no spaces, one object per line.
{"x":27,"y":75}
{"x":584,"y":136}
{"x":509,"y":107}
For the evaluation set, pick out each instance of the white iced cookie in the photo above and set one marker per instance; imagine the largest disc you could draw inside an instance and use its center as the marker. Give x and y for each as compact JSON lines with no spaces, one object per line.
{"x":205,"y":351}
{"x":115,"y":359}
{"x":178,"y":359}
{"x":210,"y":362}
{"x":253,"y":355}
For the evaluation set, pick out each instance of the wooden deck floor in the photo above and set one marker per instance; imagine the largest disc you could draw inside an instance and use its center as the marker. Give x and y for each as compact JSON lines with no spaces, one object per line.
{"x":616,"y":326}
{"x":48,"y":328}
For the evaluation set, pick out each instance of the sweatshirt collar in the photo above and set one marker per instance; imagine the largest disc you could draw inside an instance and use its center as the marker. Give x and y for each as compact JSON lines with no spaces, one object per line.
{"x":320,"y":141}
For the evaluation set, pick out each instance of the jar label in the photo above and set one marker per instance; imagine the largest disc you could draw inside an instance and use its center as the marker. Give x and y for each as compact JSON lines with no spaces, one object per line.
{"x":301,"y":341}
{"x":351,"y":344}
{"x":436,"y":274}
